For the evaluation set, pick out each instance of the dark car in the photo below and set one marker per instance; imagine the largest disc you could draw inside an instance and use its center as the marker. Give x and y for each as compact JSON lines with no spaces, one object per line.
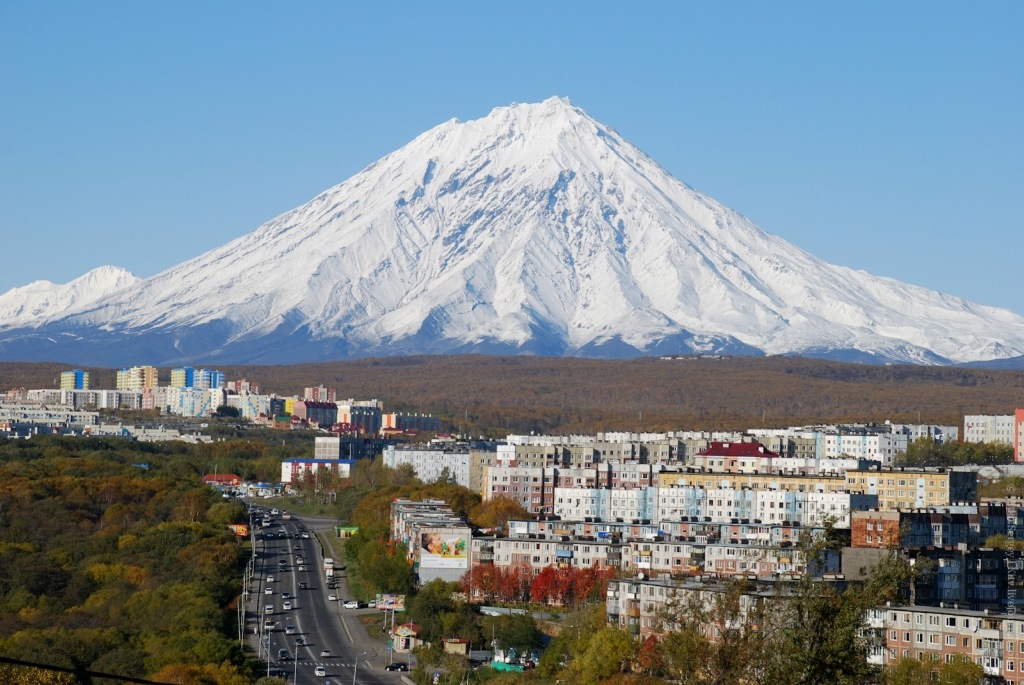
{"x":397,"y":666}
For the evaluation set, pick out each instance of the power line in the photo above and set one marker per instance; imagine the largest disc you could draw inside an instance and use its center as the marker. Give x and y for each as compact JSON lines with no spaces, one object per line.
{"x":82,"y":674}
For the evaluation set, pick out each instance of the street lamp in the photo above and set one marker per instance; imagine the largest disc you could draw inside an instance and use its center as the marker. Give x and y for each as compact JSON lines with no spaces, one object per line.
{"x":355,"y":667}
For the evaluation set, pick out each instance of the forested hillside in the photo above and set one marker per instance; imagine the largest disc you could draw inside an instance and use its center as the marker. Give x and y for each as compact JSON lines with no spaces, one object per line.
{"x":115,"y":558}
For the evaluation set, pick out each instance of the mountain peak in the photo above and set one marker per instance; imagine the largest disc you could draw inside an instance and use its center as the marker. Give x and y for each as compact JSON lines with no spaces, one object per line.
{"x":42,"y":300}
{"x":535,"y":229}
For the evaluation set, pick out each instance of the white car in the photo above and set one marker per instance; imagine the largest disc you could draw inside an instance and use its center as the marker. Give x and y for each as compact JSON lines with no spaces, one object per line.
{"x":270,"y":579}
{"x":269,"y":591}
{"x":351,"y":604}
{"x":332,"y":597}
{"x":289,"y":630}
{"x":286,"y":606}
{"x":305,"y":535}
{"x":320,"y":671}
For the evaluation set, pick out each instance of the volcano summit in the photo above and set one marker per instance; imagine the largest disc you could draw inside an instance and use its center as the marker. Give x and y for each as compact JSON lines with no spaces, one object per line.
{"x":533,"y":230}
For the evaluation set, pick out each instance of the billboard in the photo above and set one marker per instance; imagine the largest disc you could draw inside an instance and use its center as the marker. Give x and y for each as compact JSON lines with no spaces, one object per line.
{"x":391,"y":602}
{"x":240,"y":529}
{"x":444,"y":548}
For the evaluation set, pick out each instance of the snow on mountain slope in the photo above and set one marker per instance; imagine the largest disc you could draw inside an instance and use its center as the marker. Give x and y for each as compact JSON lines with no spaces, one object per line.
{"x":533,"y":229}
{"x":42,"y":300}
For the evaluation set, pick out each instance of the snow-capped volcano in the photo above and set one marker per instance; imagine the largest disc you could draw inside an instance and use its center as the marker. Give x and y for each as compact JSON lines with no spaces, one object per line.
{"x":535,"y":229}
{"x":40,"y":301}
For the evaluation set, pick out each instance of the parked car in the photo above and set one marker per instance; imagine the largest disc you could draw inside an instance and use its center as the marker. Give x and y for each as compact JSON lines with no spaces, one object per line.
{"x":351,"y":604}
{"x":397,"y":666}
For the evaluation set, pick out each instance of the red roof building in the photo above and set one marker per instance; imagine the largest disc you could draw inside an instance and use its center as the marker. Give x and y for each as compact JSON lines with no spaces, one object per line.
{"x":736,"y":457}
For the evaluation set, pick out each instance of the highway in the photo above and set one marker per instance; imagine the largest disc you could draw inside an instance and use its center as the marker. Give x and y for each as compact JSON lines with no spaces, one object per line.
{"x":297,"y":636}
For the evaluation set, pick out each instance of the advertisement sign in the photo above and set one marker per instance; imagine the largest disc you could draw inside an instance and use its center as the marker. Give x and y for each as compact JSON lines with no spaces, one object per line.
{"x":444,"y":548}
{"x":240,"y":529}
{"x":391,"y":602}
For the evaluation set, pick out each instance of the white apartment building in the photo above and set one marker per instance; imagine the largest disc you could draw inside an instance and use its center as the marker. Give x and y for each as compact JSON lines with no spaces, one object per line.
{"x":605,"y":503}
{"x":984,"y":428}
{"x":431,"y":463}
{"x":882,"y":447}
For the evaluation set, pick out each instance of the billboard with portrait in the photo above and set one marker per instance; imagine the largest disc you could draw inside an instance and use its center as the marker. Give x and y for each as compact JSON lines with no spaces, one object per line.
{"x":444,"y":548}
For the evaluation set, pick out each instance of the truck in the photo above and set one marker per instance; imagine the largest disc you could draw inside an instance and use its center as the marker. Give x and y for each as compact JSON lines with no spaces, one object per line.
{"x":329,"y":567}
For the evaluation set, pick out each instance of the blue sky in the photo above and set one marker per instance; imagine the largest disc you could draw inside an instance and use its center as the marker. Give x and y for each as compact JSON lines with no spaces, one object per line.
{"x":883,"y":136}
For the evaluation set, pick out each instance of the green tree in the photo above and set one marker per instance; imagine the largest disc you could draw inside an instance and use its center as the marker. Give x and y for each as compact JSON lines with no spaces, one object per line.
{"x":609,"y":651}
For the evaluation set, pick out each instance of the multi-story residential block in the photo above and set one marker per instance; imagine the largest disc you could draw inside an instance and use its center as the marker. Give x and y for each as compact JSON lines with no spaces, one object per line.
{"x":348,"y":447}
{"x":136,"y":378}
{"x":809,"y":508}
{"x":439,"y":543}
{"x":320,"y":394}
{"x":250,"y":405}
{"x":735,"y":457}
{"x":436,"y":462}
{"x":295,"y":470}
{"x":914,"y":488}
{"x":532,"y":487}
{"x":323,"y":414}
{"x":187,"y":401}
{"x":203,"y":379}
{"x":365,"y":413}
{"x":420,"y":423}
{"x":1018,"y":436}
{"x":942,"y":526}
{"x":242,"y":386}
{"x":694,"y":477}
{"x":74,"y":380}
{"x":51,"y":415}
{"x":941,"y":633}
{"x":606,"y":503}
{"x":989,"y":428}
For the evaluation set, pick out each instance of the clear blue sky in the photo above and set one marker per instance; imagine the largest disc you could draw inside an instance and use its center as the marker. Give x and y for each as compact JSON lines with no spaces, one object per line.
{"x":884,"y":136}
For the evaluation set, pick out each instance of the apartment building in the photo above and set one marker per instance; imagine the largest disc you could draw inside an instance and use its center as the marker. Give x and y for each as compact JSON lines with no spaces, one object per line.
{"x":990,"y":428}
{"x":993,"y":641}
{"x":433,"y":462}
{"x":136,"y":378}
{"x":294,"y":471}
{"x":203,"y":379}
{"x":914,"y":488}
{"x":968,"y":524}
{"x":695,"y":477}
{"x":735,"y":457}
{"x":605,"y":503}
{"x":74,"y":380}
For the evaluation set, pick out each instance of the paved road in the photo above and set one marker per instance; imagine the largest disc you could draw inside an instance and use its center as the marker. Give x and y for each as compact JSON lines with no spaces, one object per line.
{"x":320,"y":623}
